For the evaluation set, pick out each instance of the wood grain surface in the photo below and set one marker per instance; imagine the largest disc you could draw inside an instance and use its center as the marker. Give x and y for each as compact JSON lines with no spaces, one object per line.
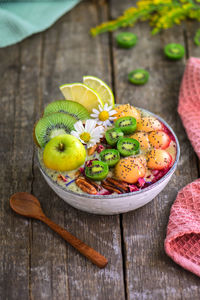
{"x":35,"y":263}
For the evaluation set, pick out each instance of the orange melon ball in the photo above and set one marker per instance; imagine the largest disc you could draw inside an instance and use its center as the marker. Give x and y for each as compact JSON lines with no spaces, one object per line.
{"x":158,"y":159}
{"x":148,"y":124}
{"x":129,"y":170}
{"x":126,"y":110}
{"x":141,"y":159}
{"x":159,"y":139}
{"x":142,"y":138}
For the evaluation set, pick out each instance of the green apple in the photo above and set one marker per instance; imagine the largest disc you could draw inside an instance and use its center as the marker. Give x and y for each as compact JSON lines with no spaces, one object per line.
{"x":64,"y":153}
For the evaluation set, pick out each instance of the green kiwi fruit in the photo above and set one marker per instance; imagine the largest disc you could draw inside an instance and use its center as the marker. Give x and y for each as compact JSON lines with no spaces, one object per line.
{"x":126,"y":124}
{"x":128,"y":146}
{"x":98,"y":170}
{"x":74,"y":109}
{"x":113,"y":135}
{"x":53,"y":125}
{"x":110,"y":156}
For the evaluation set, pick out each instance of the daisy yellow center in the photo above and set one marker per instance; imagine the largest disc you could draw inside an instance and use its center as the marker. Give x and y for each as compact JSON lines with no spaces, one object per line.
{"x":104,"y":115}
{"x":85,"y":136}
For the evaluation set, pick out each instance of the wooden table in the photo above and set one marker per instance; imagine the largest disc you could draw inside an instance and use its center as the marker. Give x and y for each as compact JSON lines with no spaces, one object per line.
{"x":35,"y":263}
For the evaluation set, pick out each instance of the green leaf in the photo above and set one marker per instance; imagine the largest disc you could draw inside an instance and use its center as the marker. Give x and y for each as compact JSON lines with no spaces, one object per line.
{"x":197,"y":37}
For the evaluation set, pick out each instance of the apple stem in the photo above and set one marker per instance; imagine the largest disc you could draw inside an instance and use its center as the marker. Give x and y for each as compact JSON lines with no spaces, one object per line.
{"x":61,"y":147}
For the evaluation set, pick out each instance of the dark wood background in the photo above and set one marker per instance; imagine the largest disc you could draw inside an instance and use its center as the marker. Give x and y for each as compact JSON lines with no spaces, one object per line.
{"x":37,"y":264}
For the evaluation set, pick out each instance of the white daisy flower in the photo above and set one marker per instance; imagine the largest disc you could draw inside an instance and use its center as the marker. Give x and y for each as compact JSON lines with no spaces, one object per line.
{"x":88,"y":135}
{"x":104,"y":115}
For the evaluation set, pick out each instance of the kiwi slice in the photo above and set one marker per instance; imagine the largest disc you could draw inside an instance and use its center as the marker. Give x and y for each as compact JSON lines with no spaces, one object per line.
{"x":113,"y":135}
{"x":98,"y":170}
{"x":110,"y":156}
{"x":74,"y":109}
{"x":138,"y":76}
{"x":174,"y":51}
{"x":52,"y":125}
{"x":128,"y":146}
{"x":126,"y":124}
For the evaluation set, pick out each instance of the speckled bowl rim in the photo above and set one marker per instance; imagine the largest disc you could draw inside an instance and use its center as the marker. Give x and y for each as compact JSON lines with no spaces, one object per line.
{"x":149,"y":188}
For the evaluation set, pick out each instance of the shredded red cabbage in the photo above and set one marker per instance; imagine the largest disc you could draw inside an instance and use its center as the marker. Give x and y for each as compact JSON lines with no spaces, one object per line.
{"x":166,"y":130}
{"x":133,"y":188}
{"x":88,"y":163}
{"x":104,"y":192}
{"x":100,"y":148}
{"x":141,"y":182}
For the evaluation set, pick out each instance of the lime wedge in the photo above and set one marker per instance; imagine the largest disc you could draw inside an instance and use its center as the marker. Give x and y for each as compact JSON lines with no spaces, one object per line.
{"x":82,"y":94}
{"x":101,"y":88}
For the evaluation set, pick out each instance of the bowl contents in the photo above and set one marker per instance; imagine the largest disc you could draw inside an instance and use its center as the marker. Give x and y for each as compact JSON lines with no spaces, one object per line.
{"x":87,"y":144}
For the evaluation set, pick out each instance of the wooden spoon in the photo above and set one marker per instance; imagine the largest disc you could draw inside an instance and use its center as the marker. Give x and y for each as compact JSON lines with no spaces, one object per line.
{"x":27,"y":205}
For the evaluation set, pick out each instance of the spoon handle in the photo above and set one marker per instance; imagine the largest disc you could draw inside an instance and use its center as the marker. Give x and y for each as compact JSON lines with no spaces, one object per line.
{"x":84,"y":249}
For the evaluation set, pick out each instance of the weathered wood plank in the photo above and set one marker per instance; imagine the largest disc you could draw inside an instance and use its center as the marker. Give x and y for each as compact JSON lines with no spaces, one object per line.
{"x":150,"y":274}
{"x":190,"y":30}
{"x":59,"y":272}
{"x":18,"y":81}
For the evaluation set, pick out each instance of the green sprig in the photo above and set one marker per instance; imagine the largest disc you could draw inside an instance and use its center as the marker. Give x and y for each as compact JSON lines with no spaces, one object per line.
{"x":197,"y":38}
{"x":161,"y":14}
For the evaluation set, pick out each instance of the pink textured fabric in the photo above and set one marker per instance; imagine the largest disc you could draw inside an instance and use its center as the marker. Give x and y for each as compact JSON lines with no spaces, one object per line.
{"x":182,"y":242}
{"x":189,"y":102}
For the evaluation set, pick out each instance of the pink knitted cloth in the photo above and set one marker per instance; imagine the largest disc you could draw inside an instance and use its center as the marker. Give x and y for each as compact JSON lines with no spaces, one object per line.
{"x":189,"y":102}
{"x":182,"y":242}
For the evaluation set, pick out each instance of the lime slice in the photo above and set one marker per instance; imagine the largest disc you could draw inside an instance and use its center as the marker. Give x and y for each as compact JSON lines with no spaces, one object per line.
{"x":82,"y":94}
{"x":102,"y":89}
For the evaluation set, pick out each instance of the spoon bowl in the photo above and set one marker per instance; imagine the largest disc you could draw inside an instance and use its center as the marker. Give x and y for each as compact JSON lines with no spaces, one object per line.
{"x":26,"y":205}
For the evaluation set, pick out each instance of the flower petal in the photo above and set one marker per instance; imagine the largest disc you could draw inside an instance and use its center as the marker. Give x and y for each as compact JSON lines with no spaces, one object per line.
{"x":82,"y":141}
{"x":100,"y":108}
{"x":75,"y":133}
{"x":97,"y":131}
{"x":112,"y":118}
{"x":91,"y":143}
{"x":99,"y":122}
{"x":95,"y":111}
{"x":79,"y":126}
{"x":105,"y":107}
{"x":90,"y":125}
{"x":109,"y":108}
{"x":112,"y":112}
{"x":94,"y":116}
{"x":94,"y":140}
{"x":108,"y":123}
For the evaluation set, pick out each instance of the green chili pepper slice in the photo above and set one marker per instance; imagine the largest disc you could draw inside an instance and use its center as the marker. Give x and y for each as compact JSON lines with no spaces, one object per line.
{"x":138,"y":76}
{"x":174,"y":51}
{"x":126,"y":39}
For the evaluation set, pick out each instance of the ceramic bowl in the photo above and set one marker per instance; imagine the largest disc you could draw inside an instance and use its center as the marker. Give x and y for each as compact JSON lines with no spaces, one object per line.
{"x":115,"y":204}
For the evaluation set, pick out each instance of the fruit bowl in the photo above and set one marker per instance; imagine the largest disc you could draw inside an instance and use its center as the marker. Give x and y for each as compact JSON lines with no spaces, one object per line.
{"x":115,"y":204}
